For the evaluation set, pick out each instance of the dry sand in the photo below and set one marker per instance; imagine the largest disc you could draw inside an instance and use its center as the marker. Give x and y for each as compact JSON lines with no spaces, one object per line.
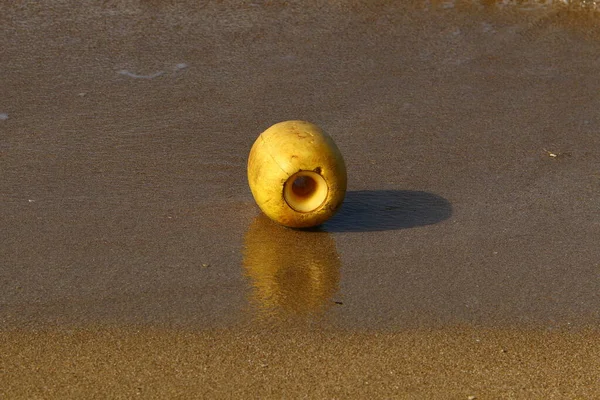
{"x":464,"y":262}
{"x":451,"y":363}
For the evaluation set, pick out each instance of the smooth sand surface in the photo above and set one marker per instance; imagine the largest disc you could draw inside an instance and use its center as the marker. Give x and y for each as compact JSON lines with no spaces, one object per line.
{"x":464,"y":262}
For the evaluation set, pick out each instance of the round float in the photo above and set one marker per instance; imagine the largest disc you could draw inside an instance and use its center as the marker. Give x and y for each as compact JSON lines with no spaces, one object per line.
{"x":297,"y":174}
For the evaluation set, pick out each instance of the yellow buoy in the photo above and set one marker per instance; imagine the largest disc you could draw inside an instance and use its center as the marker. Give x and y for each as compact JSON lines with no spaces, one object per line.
{"x":297,"y":174}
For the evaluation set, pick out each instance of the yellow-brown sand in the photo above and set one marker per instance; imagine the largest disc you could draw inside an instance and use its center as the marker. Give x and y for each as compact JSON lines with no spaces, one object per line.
{"x":451,"y":363}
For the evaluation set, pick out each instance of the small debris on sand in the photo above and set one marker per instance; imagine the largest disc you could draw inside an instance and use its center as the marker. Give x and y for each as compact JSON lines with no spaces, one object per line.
{"x":551,"y":154}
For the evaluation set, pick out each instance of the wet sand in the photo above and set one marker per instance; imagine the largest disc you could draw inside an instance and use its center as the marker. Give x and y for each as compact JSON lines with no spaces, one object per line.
{"x":464,"y":261}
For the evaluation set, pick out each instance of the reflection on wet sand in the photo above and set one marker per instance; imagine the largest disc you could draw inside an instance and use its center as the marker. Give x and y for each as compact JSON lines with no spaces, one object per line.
{"x":292,"y":272}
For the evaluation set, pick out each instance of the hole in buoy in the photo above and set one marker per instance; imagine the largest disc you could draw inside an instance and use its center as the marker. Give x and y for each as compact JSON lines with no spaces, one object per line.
{"x":304,"y":186}
{"x":305,"y":191}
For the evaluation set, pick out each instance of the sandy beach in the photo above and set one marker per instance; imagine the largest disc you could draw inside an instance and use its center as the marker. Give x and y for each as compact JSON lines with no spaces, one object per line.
{"x":464,"y":263}
{"x":450,"y":363}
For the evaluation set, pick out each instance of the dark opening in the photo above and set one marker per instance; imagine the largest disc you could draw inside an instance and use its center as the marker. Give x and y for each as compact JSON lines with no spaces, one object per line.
{"x":304,"y":186}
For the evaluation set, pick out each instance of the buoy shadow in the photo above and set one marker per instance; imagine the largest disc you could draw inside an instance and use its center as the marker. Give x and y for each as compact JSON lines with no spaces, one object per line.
{"x":382,"y":210}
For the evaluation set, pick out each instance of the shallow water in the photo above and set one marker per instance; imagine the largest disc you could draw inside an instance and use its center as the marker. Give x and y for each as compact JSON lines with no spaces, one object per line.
{"x":470,"y":133}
